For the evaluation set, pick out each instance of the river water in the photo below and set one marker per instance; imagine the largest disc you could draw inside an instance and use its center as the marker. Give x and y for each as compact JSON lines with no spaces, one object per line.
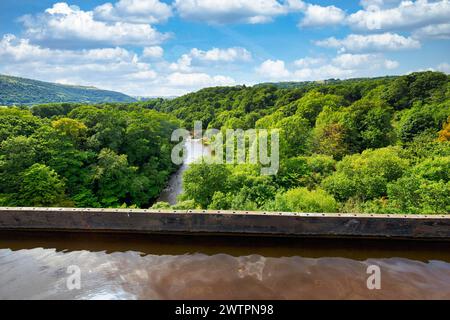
{"x":195,"y":150}
{"x":35,"y":266}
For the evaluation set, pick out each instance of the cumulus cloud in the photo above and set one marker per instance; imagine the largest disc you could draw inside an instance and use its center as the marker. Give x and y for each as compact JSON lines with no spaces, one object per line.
{"x":232,"y":11}
{"x":183,"y":64}
{"x":427,"y":19}
{"x":319,"y":68}
{"x":13,"y":49}
{"x":273,"y":69}
{"x":370,"y":43}
{"x":215,"y":55}
{"x":295,"y":5}
{"x":308,"y":62}
{"x":406,"y":15}
{"x":257,"y":11}
{"x":100,"y":67}
{"x":437,"y":31}
{"x":107,"y":68}
{"x":153,"y":52}
{"x":444,"y":67}
{"x":198,"y":80}
{"x":134,"y":11}
{"x":349,"y":61}
{"x":344,"y":67}
{"x":64,"y":25}
{"x":225,"y":55}
{"x":318,"y":16}
{"x":368,"y":4}
{"x":327,"y":71}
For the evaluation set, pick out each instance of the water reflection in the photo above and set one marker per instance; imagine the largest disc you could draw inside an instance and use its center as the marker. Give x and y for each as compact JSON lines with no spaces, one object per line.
{"x":182,"y":268}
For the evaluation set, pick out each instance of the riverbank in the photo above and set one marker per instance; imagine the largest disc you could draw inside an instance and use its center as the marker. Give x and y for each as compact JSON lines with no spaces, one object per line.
{"x":223,"y":223}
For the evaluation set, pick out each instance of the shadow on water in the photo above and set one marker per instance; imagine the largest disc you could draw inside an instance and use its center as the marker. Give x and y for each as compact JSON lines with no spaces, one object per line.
{"x":232,"y":245}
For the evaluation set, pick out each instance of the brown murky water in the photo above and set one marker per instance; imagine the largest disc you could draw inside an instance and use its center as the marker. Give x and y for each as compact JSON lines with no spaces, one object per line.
{"x":34,"y":266}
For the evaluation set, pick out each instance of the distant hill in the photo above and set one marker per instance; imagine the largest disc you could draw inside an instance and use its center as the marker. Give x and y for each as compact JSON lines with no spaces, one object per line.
{"x":21,"y":91}
{"x":309,"y":84}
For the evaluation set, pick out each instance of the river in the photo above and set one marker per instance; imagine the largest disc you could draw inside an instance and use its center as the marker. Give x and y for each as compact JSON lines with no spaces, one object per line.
{"x":34,"y":266}
{"x":195,"y":150}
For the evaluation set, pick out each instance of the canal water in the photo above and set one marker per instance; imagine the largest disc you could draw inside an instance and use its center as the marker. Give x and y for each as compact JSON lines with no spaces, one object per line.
{"x":195,"y":150}
{"x":35,"y":266}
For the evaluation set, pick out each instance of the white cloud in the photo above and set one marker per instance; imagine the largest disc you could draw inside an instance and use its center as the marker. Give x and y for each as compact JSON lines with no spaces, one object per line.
{"x":308,"y":62}
{"x":225,"y":55}
{"x":346,"y":66}
{"x":134,"y":11}
{"x":215,"y":55}
{"x":183,"y":64}
{"x":256,"y":11}
{"x":67,"y":26}
{"x":143,"y":75}
{"x":273,"y":69}
{"x":437,"y":31}
{"x":232,"y":11}
{"x":21,"y":50}
{"x":349,"y":61}
{"x":198,"y":80}
{"x":352,"y":61}
{"x":318,"y":16}
{"x":444,"y":67}
{"x":406,"y":15}
{"x":107,"y":68}
{"x":153,"y":52}
{"x":370,"y":43}
{"x":368,"y":4}
{"x":324,"y":72}
{"x":320,"y":68}
{"x":295,"y":5}
{"x":427,"y":19}
{"x":391,"y":64}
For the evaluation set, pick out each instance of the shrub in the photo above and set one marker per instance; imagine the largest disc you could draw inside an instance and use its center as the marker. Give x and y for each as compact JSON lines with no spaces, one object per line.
{"x":304,"y":200}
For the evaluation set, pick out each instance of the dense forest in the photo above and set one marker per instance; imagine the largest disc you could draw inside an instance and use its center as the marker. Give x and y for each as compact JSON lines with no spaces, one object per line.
{"x":20,"y":91}
{"x":364,"y":145}
{"x":84,"y":155}
{"x":377,"y":145}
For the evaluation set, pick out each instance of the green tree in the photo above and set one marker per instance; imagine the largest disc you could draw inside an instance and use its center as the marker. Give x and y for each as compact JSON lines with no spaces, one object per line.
{"x":201,"y":181}
{"x":16,"y":155}
{"x":295,"y":136}
{"x":368,"y":125}
{"x":366,"y":175}
{"x":40,"y":187}
{"x":74,"y":129}
{"x":444,"y":134}
{"x":17,"y":122}
{"x":112,"y":178}
{"x":304,"y":200}
{"x":413,"y":194}
{"x":312,"y":103}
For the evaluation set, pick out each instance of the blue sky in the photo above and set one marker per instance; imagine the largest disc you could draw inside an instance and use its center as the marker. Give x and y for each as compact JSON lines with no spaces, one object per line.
{"x":170,"y":47}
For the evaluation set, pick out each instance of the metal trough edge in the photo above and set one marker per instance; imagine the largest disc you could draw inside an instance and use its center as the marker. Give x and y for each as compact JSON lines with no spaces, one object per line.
{"x":282,"y":224}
